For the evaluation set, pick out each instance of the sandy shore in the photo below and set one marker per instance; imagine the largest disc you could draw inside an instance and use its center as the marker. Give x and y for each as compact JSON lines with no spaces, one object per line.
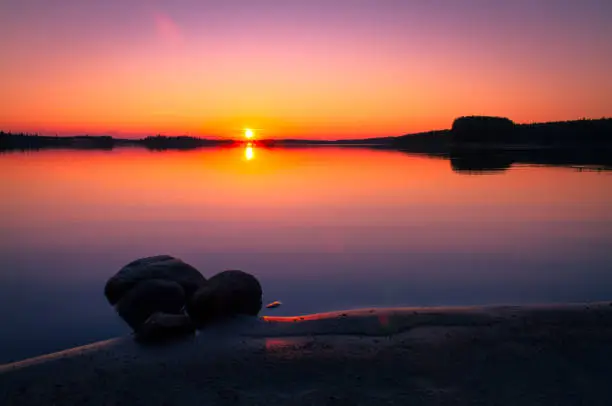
{"x":534,"y":355}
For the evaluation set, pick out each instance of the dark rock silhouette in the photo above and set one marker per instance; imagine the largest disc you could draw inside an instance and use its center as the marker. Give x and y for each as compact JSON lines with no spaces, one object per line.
{"x":159,"y":285}
{"x":163,"y":267}
{"x":224,"y":295}
{"x":153,"y":294}
{"x":148,"y":297}
{"x":163,"y":326}
{"x":274,"y":304}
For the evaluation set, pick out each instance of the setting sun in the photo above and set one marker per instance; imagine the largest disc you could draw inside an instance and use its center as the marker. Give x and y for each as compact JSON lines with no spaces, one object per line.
{"x":248,"y":133}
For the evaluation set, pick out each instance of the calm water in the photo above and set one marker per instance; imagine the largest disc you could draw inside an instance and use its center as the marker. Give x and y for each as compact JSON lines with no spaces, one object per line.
{"x":323,"y":229}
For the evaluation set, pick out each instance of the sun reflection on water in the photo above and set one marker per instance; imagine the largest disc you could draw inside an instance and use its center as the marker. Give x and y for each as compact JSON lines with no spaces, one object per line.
{"x":249,"y":152}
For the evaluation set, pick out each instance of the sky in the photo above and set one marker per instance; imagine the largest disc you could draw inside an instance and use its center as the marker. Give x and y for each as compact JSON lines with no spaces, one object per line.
{"x":298,"y":68}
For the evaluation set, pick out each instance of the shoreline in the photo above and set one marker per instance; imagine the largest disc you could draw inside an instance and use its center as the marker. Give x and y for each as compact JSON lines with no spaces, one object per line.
{"x":558,"y":354}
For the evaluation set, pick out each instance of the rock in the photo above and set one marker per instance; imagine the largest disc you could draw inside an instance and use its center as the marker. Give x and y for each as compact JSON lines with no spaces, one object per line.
{"x":164,"y":326}
{"x":274,"y":304}
{"x":226,"y":294}
{"x":149,"y":297}
{"x":158,"y":267}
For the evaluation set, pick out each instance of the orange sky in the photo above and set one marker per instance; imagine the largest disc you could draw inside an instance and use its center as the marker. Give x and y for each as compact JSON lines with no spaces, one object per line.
{"x":298,"y":69}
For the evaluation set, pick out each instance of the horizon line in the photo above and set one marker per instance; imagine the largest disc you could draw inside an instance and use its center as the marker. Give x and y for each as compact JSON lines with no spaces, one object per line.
{"x":134,"y":137}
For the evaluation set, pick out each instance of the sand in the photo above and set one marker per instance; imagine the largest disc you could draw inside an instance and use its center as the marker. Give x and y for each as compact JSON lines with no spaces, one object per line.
{"x":531,"y":355}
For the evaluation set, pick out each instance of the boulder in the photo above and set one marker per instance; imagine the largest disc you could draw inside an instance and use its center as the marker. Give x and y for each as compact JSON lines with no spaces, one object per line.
{"x":224,"y":295}
{"x":164,"y":326}
{"x":163,"y":267}
{"x":149,"y":297}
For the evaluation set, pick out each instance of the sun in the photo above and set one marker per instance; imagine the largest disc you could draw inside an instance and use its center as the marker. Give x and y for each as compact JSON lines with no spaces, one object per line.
{"x":248,"y":133}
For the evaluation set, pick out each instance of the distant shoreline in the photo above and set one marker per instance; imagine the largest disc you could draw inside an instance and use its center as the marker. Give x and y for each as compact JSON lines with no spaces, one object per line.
{"x":473,"y":144}
{"x":467,"y":132}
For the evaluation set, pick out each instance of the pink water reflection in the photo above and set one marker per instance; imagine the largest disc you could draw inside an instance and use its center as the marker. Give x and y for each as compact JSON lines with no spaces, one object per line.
{"x":304,"y":200}
{"x":323,"y":229}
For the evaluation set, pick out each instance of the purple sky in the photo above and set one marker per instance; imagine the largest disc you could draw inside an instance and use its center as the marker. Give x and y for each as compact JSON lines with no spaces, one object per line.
{"x":299,"y":68}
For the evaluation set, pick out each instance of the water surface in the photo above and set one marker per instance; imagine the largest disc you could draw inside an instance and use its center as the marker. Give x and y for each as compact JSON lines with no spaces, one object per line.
{"x":322,"y":228}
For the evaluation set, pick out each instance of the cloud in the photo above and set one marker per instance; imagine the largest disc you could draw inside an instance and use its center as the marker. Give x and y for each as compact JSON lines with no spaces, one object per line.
{"x":167,"y":29}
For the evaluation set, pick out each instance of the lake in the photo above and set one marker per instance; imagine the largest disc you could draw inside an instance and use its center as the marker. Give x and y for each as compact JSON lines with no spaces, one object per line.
{"x":322,"y":228}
